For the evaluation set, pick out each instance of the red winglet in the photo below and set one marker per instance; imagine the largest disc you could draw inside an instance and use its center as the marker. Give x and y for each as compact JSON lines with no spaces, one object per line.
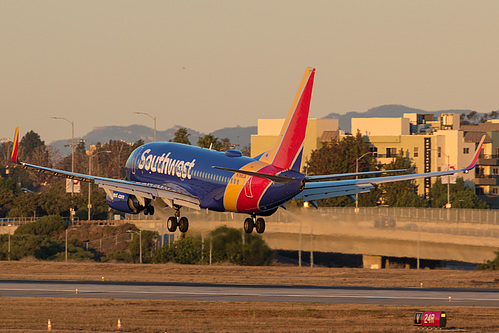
{"x":15,"y":148}
{"x":477,"y":155}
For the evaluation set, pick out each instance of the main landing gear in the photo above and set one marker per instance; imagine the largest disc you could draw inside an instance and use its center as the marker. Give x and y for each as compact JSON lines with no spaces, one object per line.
{"x":253,"y":222}
{"x":176,"y":221}
{"x":149,"y":210}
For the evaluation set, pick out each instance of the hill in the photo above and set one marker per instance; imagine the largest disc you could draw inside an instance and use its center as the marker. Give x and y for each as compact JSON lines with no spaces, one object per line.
{"x":237,"y":135}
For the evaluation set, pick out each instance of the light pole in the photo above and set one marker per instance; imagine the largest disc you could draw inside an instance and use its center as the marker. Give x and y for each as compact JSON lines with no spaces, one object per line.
{"x":448,"y":205}
{"x":153,"y":118}
{"x":72,"y":145}
{"x":140,"y":241}
{"x":357,"y":177}
{"x":66,"y":249}
{"x":90,"y":162}
{"x":8,"y":252}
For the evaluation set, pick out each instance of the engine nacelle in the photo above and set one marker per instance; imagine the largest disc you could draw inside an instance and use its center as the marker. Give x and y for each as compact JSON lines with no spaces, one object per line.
{"x":124,"y":202}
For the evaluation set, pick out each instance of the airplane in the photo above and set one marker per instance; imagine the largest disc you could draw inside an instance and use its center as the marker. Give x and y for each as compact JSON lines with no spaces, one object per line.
{"x":187,"y":176}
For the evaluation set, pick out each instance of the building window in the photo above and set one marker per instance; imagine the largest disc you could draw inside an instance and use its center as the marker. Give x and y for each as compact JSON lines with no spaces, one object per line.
{"x":439,"y":150}
{"x":495,"y":171}
{"x":374,"y":151}
{"x":466,"y":150}
{"x":391,"y":152}
{"x":497,"y":153}
{"x":416,"y":151}
{"x":495,"y":190}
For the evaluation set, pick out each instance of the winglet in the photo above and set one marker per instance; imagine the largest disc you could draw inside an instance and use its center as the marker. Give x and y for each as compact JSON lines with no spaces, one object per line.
{"x":15,"y":148}
{"x":477,"y":155}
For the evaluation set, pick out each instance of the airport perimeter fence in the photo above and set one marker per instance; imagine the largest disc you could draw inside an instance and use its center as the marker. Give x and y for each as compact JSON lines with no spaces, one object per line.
{"x":107,"y":242}
{"x":452,"y":215}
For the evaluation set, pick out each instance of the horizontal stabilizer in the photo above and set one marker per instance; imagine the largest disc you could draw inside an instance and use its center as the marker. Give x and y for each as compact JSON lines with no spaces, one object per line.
{"x":274,"y":178}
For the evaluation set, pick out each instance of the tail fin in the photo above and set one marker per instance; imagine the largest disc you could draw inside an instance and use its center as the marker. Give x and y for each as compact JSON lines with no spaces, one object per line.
{"x":15,"y":147}
{"x":287,"y":151}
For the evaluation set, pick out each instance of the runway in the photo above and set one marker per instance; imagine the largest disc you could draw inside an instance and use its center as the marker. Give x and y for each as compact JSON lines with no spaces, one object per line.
{"x":249,"y":293}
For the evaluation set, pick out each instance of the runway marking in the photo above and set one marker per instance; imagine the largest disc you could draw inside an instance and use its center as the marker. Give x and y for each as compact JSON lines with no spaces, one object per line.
{"x":242,"y":294}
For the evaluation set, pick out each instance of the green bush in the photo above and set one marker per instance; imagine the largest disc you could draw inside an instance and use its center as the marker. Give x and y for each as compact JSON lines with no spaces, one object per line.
{"x":491,"y":264}
{"x":186,"y":250}
{"x":227,"y":246}
{"x":46,"y":226}
{"x":148,"y":243}
{"x":117,"y":256}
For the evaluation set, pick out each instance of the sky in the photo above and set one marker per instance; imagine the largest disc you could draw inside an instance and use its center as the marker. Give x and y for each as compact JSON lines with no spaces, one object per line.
{"x":206,"y":65}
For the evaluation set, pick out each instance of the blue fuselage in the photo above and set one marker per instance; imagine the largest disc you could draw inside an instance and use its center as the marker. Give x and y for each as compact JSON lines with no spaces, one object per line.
{"x":188,"y":169}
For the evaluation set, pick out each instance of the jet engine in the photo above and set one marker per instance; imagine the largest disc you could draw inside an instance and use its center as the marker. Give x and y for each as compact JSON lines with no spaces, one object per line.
{"x":124,"y":202}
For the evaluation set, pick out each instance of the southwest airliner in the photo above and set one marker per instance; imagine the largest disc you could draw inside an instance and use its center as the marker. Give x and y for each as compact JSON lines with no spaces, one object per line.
{"x":187,"y":176}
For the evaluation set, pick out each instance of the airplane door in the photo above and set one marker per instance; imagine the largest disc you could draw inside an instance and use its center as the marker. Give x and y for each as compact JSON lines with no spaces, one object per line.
{"x":247,"y":188}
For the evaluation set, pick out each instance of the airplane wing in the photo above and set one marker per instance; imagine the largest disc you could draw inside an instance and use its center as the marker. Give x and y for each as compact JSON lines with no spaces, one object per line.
{"x":315,"y":190}
{"x":171,"y":194}
{"x":345,"y":175}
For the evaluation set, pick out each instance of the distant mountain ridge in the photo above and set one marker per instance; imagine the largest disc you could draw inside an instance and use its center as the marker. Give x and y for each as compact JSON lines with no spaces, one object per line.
{"x":240,"y":136}
{"x":384,"y":111}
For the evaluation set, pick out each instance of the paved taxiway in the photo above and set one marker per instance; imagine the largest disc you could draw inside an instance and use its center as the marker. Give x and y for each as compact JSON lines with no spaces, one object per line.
{"x":252,"y":293}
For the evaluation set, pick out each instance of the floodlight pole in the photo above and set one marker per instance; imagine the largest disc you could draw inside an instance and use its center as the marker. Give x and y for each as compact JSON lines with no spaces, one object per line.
{"x":140,"y":242}
{"x":357,"y":177}
{"x":153,"y":118}
{"x":90,"y":165}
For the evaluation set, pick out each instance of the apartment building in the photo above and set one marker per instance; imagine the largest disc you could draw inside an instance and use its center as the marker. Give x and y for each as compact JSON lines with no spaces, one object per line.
{"x":318,"y":131}
{"x":487,"y":170}
{"x":432,"y":145}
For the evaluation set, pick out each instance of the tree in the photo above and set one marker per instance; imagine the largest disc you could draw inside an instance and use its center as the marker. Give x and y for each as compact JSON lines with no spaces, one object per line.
{"x":181,"y":136}
{"x":29,"y":143}
{"x":225,"y":144}
{"x":208,"y":141}
{"x":401,"y":193}
{"x":8,"y":193}
{"x":461,"y":195}
{"x":228,"y":247}
{"x":340,"y":156}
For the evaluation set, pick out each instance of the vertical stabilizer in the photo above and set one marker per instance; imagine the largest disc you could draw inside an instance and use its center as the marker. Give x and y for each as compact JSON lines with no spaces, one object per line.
{"x":286,"y":153}
{"x":15,"y":147}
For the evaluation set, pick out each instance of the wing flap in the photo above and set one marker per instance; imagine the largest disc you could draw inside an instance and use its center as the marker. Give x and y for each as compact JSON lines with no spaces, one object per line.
{"x":328,"y":190}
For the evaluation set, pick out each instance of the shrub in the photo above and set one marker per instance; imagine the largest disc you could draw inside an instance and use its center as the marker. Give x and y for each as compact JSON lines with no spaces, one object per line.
{"x":46,"y":226}
{"x":491,"y":264}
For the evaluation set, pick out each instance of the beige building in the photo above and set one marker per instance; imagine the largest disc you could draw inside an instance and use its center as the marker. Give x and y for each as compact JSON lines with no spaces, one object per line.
{"x":381,"y":126}
{"x":487,"y":170}
{"x":431,"y":144}
{"x":428,"y":153}
{"x":318,"y":131}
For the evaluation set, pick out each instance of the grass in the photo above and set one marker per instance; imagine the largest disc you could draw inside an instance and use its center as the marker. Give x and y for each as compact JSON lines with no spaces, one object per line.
{"x":97,"y":315}
{"x":87,"y":315}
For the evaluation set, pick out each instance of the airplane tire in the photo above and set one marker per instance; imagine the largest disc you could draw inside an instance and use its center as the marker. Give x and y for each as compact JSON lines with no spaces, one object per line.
{"x":248,"y":225}
{"x":171,"y":224}
{"x":183,"y":224}
{"x":260,"y":225}
{"x":151,"y":210}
